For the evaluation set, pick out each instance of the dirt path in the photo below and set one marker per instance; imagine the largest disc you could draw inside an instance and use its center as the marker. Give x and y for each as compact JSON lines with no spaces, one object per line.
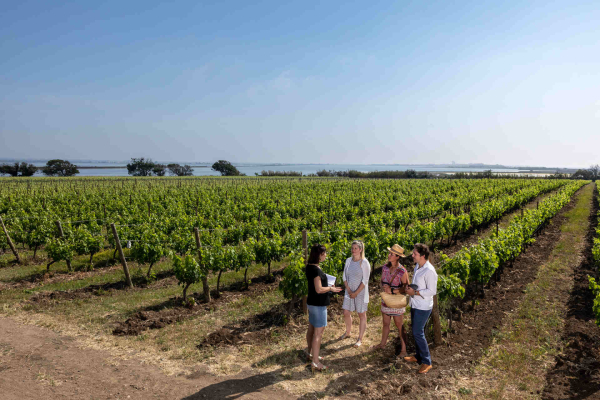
{"x":36,"y":363}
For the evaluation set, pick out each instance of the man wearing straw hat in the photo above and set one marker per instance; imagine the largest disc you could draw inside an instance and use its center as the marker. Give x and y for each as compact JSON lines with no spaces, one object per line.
{"x":421,"y":303}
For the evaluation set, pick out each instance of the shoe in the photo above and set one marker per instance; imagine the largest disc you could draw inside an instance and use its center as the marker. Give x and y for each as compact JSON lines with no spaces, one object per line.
{"x":309,"y":356}
{"x":357,"y":344}
{"x":317,"y":367}
{"x":344,"y":336}
{"x":424,"y":368}
{"x":410,"y":359}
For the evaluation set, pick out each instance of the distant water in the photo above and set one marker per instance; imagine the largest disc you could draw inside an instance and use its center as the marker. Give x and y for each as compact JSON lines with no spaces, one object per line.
{"x":251,"y":169}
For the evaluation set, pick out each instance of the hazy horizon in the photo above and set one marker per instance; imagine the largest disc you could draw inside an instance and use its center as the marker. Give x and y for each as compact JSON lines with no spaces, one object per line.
{"x":510,"y":83}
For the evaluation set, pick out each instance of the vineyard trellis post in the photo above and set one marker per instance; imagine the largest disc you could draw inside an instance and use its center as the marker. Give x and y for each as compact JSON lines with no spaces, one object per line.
{"x":62,"y":235}
{"x":205,"y":286}
{"x":10,"y":243}
{"x":121,"y":255}
{"x":437,"y":326}
{"x":305,"y":250}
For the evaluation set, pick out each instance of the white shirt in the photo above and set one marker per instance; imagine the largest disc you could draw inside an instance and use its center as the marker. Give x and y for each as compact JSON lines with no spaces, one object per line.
{"x":426,"y":279}
{"x":366,"y":268}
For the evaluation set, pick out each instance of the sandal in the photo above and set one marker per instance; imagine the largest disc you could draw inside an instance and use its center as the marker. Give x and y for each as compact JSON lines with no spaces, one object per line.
{"x":377,"y":347}
{"x":357,"y":344}
{"x":344,"y":336}
{"x":317,"y":367}
{"x":309,"y":356}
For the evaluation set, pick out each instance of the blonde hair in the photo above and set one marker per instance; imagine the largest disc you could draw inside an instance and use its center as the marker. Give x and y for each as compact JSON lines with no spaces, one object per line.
{"x":361,"y":246}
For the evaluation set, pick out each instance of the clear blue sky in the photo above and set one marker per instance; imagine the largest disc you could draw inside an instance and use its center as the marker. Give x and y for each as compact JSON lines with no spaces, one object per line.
{"x":515,"y":83}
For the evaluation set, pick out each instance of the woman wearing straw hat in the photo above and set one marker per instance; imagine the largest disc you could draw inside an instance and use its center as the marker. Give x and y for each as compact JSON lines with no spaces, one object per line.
{"x":394,"y":279}
{"x":356,"y":279}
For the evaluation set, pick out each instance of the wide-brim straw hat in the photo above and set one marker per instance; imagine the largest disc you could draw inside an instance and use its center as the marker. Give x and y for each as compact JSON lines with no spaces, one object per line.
{"x":397,"y":250}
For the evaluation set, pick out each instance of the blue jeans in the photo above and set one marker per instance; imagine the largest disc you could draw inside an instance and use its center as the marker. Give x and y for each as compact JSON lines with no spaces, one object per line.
{"x":418,"y":320}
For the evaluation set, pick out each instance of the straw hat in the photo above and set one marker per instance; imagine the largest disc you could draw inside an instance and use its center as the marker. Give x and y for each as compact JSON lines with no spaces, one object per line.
{"x":397,"y":250}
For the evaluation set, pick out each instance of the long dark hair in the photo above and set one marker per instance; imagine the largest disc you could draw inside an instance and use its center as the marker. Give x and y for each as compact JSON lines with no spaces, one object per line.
{"x":315,"y":254}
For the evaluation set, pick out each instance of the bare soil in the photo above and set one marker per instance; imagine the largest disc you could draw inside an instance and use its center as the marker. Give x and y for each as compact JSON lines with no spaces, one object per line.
{"x":172,"y":310}
{"x":36,"y":363}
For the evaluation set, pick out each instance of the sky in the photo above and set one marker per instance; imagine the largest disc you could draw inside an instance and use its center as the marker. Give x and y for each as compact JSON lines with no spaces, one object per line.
{"x":369,"y":82}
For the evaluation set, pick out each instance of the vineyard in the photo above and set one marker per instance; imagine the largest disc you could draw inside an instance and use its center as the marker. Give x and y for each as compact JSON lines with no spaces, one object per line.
{"x":202,"y":269}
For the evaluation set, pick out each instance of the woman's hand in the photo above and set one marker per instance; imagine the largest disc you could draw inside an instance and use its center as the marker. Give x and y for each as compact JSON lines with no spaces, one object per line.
{"x":335,"y":289}
{"x":353,"y":295}
{"x":387,"y":289}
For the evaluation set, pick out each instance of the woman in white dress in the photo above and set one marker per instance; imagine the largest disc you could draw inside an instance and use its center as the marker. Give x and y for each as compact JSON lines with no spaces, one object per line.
{"x":356,"y":279}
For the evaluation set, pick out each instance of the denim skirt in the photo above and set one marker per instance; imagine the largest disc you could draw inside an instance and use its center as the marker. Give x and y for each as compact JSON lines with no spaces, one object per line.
{"x":317,"y":316}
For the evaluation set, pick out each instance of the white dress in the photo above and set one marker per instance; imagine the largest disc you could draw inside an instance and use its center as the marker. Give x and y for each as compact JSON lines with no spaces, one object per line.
{"x":354,"y":274}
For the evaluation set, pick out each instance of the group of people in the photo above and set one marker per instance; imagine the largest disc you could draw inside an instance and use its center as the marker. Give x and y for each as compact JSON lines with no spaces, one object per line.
{"x":394,"y":280}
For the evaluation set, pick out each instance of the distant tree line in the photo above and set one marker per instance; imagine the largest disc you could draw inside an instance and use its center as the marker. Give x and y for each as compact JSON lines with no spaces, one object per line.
{"x":592,"y":173}
{"x":278,"y":173}
{"x":408,"y":174}
{"x":147,"y":167}
{"x":53,"y":168}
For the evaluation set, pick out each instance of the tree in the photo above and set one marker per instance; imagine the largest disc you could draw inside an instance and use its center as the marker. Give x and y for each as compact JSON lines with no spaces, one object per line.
{"x":14,"y":169}
{"x":59,"y":168}
{"x":178,"y":170}
{"x":140,"y":167}
{"x":225,"y":168}
{"x":582,"y":174}
{"x":159,"y":169}
{"x":595,"y":172}
{"x":27,"y":169}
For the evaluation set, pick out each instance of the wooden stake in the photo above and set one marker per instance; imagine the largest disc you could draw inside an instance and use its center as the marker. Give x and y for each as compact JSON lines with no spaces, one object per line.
{"x":10,"y":243}
{"x":205,"y":287}
{"x":305,"y":248}
{"x":437,"y":326}
{"x":62,"y":235}
{"x":121,"y":255}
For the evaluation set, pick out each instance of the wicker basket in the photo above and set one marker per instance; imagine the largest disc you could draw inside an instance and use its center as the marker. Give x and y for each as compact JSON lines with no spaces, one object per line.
{"x":394,"y":300}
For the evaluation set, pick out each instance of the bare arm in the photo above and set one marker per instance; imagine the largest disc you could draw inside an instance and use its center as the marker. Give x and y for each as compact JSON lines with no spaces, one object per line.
{"x":358,"y":290}
{"x":320,"y":289}
{"x":350,"y":292}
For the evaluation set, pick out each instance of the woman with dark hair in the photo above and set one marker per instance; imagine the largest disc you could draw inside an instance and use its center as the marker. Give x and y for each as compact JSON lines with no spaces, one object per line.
{"x":394,"y":280}
{"x":317,"y":301}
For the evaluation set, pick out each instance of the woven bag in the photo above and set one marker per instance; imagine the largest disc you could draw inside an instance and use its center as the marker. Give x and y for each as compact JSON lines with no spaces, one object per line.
{"x":394,"y":300}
